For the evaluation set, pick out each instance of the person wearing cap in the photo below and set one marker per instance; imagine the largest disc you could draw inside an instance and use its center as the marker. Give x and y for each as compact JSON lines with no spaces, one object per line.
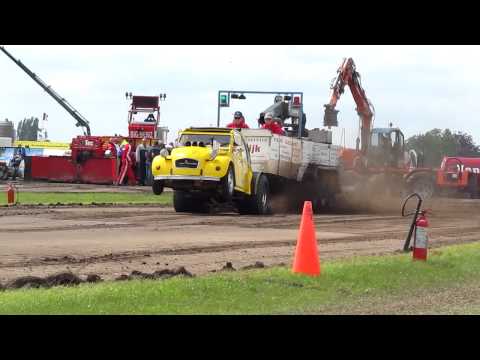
{"x":272,"y":125}
{"x":238,"y":121}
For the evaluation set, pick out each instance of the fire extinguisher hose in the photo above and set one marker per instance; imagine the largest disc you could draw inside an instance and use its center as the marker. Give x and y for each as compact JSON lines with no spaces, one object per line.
{"x":406,"y":246}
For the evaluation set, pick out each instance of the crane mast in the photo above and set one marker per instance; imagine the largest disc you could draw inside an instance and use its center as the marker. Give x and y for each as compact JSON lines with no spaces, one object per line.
{"x":81,"y":121}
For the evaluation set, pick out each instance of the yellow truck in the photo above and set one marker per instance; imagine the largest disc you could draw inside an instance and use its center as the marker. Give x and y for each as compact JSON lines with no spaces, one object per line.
{"x":211,"y":164}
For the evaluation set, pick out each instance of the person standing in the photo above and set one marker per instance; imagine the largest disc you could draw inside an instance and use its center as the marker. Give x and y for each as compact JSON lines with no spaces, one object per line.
{"x":126,"y":167}
{"x":17,"y":160}
{"x":140,"y":161}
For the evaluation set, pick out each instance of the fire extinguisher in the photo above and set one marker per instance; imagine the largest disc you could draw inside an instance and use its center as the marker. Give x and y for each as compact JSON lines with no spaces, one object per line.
{"x":420,"y":240}
{"x":10,"y":194}
{"x":418,"y":229}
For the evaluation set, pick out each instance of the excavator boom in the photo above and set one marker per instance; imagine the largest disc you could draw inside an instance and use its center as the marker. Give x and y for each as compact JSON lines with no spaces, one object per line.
{"x":347,"y":75}
{"x":81,"y":121}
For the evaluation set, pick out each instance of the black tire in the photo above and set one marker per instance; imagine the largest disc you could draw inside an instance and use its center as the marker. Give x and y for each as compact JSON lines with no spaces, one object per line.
{"x":473,"y":186}
{"x":259,"y":202}
{"x":181,"y":201}
{"x":228,"y":184}
{"x":184,"y":201}
{"x":157,"y":187}
{"x":422,"y":184}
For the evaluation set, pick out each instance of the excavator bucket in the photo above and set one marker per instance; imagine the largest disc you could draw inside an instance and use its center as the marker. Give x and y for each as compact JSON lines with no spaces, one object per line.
{"x":330,"y":117}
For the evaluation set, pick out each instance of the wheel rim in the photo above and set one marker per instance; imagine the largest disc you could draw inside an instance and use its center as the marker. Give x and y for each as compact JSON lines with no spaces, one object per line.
{"x":230,"y":183}
{"x":424,"y":189}
{"x":264,"y":200}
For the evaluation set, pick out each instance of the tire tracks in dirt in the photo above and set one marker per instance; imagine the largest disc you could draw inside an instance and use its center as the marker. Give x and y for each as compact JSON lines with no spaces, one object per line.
{"x":442,"y":237}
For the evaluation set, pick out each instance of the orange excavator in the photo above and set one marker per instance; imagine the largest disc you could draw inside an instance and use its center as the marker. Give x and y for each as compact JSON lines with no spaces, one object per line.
{"x":379,"y":151}
{"x":347,"y":75}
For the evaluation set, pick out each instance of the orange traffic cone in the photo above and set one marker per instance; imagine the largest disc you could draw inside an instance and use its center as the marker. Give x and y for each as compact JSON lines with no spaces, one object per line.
{"x":306,"y":260}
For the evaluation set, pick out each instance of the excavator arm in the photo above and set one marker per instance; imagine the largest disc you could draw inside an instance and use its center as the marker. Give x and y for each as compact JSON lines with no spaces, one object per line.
{"x":81,"y":121}
{"x":347,"y":75}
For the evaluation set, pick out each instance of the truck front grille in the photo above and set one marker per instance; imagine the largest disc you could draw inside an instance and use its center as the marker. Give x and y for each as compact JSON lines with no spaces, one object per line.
{"x":186,"y":163}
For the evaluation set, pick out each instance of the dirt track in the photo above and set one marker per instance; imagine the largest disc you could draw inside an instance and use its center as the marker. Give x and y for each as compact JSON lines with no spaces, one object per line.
{"x":111,"y":241}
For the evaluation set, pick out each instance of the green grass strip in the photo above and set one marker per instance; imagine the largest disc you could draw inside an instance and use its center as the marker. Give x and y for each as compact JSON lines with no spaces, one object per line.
{"x":48,"y":198}
{"x":267,"y":291}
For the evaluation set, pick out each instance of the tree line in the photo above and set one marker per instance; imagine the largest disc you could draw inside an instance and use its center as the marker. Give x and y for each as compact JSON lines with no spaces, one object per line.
{"x":28,"y":129}
{"x":433,"y":145}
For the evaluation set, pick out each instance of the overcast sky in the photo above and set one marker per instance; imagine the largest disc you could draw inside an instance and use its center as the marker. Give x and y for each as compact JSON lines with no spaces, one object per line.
{"x":416,"y":88}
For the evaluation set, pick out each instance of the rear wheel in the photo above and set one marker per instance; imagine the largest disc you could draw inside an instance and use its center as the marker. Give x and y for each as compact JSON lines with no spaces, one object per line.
{"x":259,"y":202}
{"x":473,"y":186}
{"x":421,"y":184}
{"x":157,"y":187}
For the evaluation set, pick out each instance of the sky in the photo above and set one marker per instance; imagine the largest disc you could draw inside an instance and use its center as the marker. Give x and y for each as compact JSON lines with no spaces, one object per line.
{"x":417,"y":88}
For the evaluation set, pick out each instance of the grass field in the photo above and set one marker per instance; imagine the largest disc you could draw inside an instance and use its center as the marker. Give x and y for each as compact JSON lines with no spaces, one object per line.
{"x":31,"y":198}
{"x":343,"y":285}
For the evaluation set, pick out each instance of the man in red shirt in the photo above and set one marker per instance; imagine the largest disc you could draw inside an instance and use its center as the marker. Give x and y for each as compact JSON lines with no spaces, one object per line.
{"x":238,"y":121}
{"x":271,"y":125}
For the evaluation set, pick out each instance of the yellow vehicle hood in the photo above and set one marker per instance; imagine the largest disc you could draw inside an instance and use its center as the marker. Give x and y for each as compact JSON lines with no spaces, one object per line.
{"x":191,"y":152}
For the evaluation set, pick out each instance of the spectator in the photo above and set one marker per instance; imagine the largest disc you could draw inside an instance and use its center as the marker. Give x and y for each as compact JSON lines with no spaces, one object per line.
{"x":126,"y":168}
{"x":238,"y":121}
{"x":140,"y":161}
{"x":152,"y":151}
{"x":17,"y":160}
{"x":272,"y":125}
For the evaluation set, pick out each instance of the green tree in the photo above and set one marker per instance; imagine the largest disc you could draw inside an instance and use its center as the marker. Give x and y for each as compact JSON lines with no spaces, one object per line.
{"x":435,"y":144}
{"x":27,"y":129}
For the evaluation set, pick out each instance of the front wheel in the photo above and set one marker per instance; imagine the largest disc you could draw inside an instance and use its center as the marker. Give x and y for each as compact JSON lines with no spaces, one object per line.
{"x":473,"y":186}
{"x":228,"y":184}
{"x":184,"y":201}
{"x":157,"y":187}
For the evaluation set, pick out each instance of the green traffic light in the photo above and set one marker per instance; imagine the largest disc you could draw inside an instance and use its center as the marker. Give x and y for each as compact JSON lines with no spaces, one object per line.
{"x":223,"y":100}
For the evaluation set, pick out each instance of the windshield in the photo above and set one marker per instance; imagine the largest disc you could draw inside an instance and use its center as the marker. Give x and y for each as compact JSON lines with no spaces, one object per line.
{"x":203,"y":140}
{"x":383,"y":139}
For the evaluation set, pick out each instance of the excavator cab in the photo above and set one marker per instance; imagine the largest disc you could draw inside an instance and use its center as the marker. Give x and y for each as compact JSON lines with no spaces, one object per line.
{"x":387,"y":146}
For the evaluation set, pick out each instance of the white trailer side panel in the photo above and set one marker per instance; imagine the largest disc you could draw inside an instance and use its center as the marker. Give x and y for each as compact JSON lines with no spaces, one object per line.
{"x":334,"y":153}
{"x":306,"y":159}
{"x":285,"y":166}
{"x":286,"y":156}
